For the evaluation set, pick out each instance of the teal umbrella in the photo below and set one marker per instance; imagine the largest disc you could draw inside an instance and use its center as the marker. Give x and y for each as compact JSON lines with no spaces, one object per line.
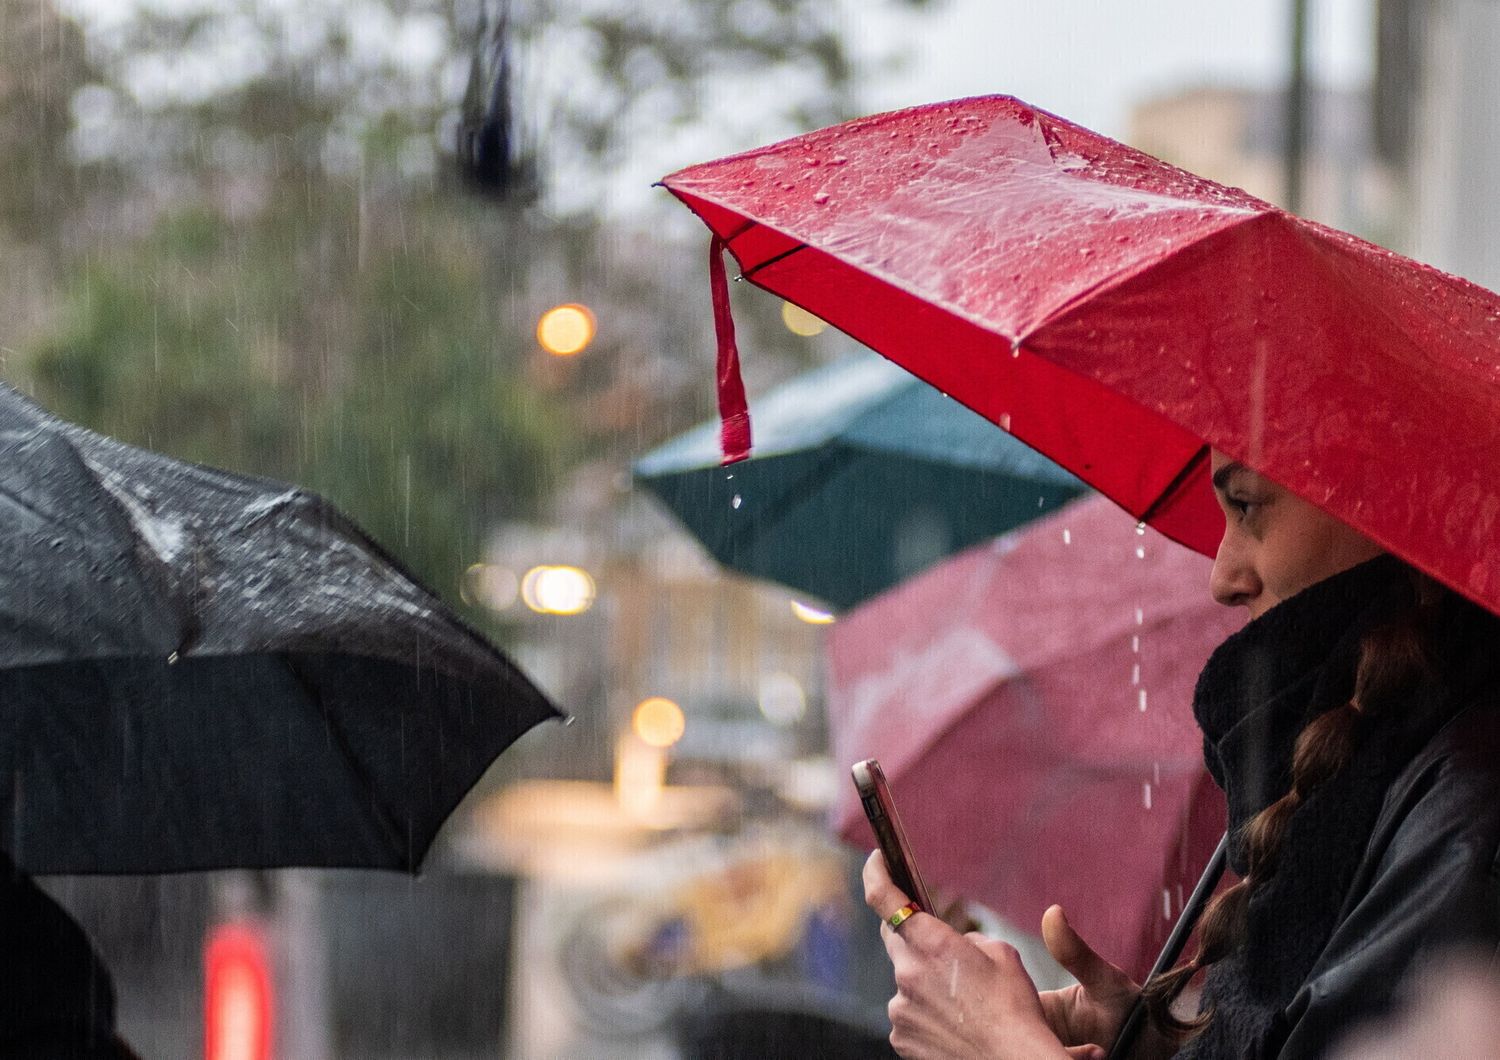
{"x":861,"y":476}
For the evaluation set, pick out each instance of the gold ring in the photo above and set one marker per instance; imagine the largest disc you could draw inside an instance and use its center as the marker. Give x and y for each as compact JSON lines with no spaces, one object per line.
{"x":902,"y":915}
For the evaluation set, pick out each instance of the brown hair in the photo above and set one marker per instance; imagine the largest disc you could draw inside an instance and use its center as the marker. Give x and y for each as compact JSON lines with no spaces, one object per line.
{"x":1392,"y":659}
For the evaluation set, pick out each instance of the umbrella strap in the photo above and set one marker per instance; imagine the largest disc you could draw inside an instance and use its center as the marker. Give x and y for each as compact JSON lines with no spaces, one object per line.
{"x":734,"y":413}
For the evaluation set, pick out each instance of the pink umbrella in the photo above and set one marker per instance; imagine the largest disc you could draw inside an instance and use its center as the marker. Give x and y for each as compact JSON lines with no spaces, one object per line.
{"x":1030,"y":700}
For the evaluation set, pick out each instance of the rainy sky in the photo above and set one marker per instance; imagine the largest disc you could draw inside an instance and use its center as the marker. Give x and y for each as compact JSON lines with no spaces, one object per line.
{"x":1088,"y":60}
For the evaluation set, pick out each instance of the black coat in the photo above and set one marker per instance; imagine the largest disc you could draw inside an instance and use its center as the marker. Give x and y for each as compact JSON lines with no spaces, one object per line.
{"x":1386,"y":861}
{"x":1427,"y":883}
{"x":56,"y":998}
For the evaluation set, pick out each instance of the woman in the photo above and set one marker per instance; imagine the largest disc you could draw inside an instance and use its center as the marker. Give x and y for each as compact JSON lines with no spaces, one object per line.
{"x":1353,"y":726}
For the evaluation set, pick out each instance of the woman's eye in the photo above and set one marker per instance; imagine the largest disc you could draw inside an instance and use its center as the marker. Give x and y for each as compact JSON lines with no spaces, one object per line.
{"x":1242,"y":506}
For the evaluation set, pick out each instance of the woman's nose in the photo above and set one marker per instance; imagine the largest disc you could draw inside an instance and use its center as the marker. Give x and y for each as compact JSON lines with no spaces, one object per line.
{"x":1233,"y":582}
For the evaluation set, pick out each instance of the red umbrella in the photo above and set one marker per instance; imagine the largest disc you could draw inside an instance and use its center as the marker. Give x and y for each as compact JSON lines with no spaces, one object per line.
{"x":1031,"y":701}
{"x":1122,"y":316}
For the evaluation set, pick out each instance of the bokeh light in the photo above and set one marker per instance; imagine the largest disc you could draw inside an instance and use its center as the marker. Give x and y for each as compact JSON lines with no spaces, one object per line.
{"x":800,"y":322}
{"x":813,"y":616}
{"x":782,"y":699}
{"x":486,"y":585}
{"x":566,"y":329}
{"x":558,"y":590}
{"x":658,"y":721}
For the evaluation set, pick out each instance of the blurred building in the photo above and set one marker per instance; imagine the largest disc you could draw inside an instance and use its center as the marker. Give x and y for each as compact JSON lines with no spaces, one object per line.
{"x":1236,"y":136}
{"x":1437,"y":82}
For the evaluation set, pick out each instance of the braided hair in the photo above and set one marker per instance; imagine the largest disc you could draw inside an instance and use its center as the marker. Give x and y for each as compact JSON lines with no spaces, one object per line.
{"x":1393,"y":658}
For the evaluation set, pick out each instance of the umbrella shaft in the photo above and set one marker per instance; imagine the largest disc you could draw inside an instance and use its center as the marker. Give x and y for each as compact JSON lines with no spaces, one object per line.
{"x":1174,"y":945}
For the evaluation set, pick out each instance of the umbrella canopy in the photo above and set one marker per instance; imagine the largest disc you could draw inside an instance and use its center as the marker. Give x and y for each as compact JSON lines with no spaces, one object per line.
{"x":1030,"y":700}
{"x":862,"y":476}
{"x":1121,"y":316}
{"x":203,"y":670}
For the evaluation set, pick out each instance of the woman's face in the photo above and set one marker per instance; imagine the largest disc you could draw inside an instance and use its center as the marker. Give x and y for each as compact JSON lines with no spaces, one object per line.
{"x":1275,"y":543}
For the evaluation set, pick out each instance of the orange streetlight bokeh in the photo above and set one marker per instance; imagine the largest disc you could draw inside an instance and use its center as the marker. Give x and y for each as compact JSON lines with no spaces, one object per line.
{"x":566,"y":329}
{"x":658,"y":721}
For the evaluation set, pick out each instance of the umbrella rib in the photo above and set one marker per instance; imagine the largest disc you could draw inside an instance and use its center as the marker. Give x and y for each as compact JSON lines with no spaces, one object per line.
{"x":1186,"y":472}
{"x":772,"y":261}
{"x":379,"y":810}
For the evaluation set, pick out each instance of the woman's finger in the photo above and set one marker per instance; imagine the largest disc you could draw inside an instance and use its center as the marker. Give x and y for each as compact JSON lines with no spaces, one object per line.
{"x":1093,"y":972}
{"x":881,"y":895}
{"x":1086,"y":1052}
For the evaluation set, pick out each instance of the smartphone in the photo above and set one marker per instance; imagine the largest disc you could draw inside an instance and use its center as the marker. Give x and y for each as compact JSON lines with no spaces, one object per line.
{"x":880,"y":808}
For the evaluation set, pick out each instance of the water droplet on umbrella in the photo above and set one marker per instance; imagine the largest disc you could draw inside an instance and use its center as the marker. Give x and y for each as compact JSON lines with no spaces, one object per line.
{"x":1140,"y":552}
{"x":1067,"y":537}
{"x":1005,"y":421}
{"x":820,"y":198}
{"x":1140,"y":528}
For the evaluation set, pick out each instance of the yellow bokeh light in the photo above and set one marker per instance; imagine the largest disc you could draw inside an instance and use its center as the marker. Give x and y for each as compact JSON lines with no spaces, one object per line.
{"x":554,"y":590}
{"x":658,"y":721}
{"x":799,"y":321}
{"x":487,"y":585}
{"x":813,"y":616}
{"x":565,"y":329}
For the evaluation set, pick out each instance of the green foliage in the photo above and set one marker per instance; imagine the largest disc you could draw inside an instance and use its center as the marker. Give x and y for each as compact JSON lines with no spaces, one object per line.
{"x":378,"y":372}
{"x":279,"y":276}
{"x":42,"y":65}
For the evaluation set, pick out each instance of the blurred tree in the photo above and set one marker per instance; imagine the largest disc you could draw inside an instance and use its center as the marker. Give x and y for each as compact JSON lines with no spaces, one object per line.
{"x":42,"y":67}
{"x":286,"y":278}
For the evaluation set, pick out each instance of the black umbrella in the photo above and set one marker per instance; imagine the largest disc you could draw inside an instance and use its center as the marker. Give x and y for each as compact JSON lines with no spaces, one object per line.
{"x":200,"y":670}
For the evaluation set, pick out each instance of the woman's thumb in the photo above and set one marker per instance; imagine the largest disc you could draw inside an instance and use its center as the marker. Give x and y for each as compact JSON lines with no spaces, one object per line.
{"x":1077,"y":958}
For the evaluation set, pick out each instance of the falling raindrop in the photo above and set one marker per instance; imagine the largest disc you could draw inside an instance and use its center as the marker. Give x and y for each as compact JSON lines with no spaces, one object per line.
{"x":1135,"y":644}
{"x":1141,"y":700}
{"x":736,"y":501}
{"x":1166,"y":904}
{"x":1005,"y":421}
{"x":1067,"y":537}
{"x":1140,"y":552}
{"x":1135,"y":674}
{"x":1146,"y":798}
{"x":1140,"y":616}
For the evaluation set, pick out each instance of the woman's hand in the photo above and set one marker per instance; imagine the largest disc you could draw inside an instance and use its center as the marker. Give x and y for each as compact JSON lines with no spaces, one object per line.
{"x":958,"y":996}
{"x":1094,"y":1009}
